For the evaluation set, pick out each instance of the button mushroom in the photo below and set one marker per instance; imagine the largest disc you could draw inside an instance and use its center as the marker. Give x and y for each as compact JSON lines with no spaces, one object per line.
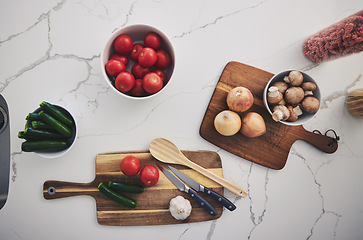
{"x":308,"y":87}
{"x":280,"y":112}
{"x":294,"y":95}
{"x":273,"y":95}
{"x":295,"y":78}
{"x":293,"y":116}
{"x":282,"y":86}
{"x":298,"y":110}
{"x":282,"y":102}
{"x":295,"y":112}
{"x":310,"y":104}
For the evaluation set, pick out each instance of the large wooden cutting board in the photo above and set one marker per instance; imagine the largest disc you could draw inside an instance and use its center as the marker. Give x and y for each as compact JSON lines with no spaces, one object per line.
{"x":153,"y":203}
{"x":272,"y":148}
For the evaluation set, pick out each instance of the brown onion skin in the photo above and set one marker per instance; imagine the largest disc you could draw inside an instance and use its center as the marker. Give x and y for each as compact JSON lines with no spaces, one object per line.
{"x":239,"y":99}
{"x":227,"y":123}
{"x":253,"y":125}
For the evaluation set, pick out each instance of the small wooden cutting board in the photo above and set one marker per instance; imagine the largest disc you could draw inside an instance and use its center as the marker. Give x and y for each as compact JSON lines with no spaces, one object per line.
{"x":153,"y":203}
{"x":271,"y":149}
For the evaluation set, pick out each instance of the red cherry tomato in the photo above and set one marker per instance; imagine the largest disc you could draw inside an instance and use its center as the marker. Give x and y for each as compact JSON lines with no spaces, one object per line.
{"x":114,"y":67}
{"x":163,"y":59}
{"x":138,"y":90}
{"x":149,"y":175}
{"x":138,"y":71}
{"x":147,"y":57}
{"x":123,"y":44}
{"x":152,"y":83}
{"x":120,"y":57}
{"x":135,"y":51}
{"x":162,"y":75}
{"x":152,"y":40}
{"x":130,"y":165}
{"x":124,"y":82}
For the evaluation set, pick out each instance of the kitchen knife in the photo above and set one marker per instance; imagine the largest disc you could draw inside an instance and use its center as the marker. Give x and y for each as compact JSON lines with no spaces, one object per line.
{"x":200,"y":188}
{"x":4,"y":151}
{"x":184,"y":188}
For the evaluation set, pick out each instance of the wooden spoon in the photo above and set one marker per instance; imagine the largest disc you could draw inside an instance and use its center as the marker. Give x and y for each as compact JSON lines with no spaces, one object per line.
{"x":165,"y":151}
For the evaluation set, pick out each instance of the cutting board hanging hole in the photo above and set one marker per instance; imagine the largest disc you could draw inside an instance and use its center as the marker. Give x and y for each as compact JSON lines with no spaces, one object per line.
{"x":336,"y":138}
{"x":51,"y":190}
{"x":278,"y":138}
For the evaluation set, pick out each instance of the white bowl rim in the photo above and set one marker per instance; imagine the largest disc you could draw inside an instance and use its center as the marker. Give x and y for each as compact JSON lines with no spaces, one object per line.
{"x":61,"y":153}
{"x":122,"y":30}
{"x":285,"y":73}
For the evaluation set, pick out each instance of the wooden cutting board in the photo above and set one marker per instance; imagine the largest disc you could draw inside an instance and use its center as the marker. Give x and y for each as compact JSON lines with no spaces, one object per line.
{"x":272,"y":148}
{"x":153,"y":203}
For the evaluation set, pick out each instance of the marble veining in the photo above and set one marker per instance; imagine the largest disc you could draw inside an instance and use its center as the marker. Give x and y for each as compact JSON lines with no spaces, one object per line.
{"x":57,"y":45}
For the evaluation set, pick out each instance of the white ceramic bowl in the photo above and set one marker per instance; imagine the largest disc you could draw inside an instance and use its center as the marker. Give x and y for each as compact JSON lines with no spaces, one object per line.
{"x":279,"y":77}
{"x":137,"y":33}
{"x":71,"y":140}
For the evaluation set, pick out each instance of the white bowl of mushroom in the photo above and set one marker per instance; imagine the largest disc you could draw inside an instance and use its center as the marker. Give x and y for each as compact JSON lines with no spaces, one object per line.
{"x":292,"y":97}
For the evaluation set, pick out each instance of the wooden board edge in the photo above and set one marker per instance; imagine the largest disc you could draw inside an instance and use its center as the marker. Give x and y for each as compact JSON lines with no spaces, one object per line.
{"x":205,"y":137}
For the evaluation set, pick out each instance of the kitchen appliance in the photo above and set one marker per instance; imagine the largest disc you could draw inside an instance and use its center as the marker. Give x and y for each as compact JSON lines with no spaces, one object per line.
{"x":4,"y":151}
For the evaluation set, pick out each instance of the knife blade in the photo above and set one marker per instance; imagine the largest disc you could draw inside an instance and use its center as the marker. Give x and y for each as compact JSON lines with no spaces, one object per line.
{"x":200,"y":188}
{"x":185,"y":188}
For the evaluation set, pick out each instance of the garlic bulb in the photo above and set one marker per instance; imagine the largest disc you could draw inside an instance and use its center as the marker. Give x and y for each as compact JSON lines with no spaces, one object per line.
{"x":180,"y":208}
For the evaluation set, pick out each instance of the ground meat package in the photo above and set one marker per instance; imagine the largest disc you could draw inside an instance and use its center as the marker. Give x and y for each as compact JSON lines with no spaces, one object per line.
{"x":340,"y":39}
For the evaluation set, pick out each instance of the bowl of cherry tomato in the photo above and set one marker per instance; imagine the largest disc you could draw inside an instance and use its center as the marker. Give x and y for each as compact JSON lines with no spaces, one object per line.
{"x":138,"y":61}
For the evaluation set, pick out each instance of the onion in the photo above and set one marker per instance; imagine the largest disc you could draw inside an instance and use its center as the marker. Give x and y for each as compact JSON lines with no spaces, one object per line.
{"x":253,"y":125}
{"x":239,"y":99}
{"x":227,"y":123}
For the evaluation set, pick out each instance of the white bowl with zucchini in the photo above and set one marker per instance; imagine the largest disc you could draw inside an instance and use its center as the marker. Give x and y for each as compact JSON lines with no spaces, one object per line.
{"x":50,"y":131}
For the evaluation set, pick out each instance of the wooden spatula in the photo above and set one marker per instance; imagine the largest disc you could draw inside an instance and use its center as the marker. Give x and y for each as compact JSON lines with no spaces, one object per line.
{"x":165,"y":151}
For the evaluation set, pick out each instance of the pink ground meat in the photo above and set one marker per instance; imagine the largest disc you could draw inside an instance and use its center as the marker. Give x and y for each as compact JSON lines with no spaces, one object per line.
{"x":340,"y":39}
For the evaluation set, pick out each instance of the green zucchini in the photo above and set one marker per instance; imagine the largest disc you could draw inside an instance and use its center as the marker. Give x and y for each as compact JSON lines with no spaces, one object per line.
{"x":22,"y":135}
{"x":42,"y":134}
{"x":124,"y":187}
{"x":40,"y":125}
{"x":54,"y":123}
{"x":44,"y":145}
{"x":32,"y":117}
{"x":57,"y":114}
{"x":125,"y":201}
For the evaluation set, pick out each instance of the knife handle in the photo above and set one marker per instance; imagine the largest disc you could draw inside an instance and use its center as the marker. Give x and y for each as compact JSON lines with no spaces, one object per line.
{"x":202,"y":202}
{"x":222,"y":200}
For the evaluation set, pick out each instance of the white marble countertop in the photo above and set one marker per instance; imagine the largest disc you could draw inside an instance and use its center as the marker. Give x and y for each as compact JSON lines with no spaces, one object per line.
{"x":50,"y":50}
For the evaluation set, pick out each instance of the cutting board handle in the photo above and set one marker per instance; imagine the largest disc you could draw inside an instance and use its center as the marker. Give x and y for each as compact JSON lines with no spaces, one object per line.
{"x":323,"y":142}
{"x":59,"y":189}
